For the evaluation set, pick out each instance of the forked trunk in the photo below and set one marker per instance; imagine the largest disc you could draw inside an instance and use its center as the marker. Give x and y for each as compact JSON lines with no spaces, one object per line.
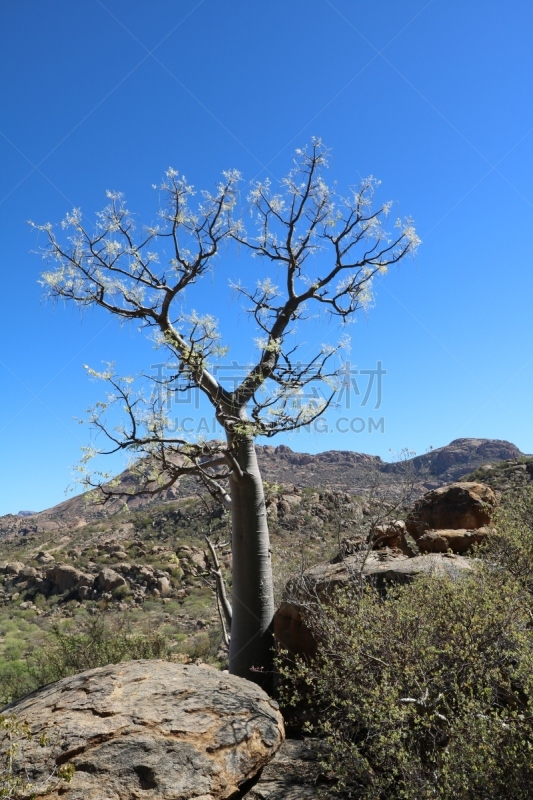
{"x":251,"y":644}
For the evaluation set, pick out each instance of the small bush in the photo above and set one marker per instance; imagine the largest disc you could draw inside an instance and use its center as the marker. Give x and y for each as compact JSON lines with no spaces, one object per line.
{"x":94,"y":643}
{"x":426,"y":693}
{"x":121,"y":592}
{"x":15,"y":681}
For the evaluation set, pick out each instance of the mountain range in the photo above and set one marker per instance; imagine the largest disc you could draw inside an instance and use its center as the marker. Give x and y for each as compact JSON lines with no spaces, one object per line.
{"x":333,"y":469}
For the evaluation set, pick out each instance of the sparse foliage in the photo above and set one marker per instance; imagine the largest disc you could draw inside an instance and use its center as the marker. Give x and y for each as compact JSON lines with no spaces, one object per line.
{"x":95,"y":643}
{"x":320,"y":252}
{"x":72,"y":647}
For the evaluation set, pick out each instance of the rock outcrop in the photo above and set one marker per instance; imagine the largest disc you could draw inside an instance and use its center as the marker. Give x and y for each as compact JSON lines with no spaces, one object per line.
{"x":149,"y":729}
{"x":295,"y":773}
{"x":459,"y":541}
{"x":459,"y":505}
{"x":454,"y":517}
{"x":64,"y":578}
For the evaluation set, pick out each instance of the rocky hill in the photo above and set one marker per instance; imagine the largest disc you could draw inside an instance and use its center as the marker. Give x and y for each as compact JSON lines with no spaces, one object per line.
{"x":450,"y":463}
{"x":335,"y":470}
{"x":355,"y":472}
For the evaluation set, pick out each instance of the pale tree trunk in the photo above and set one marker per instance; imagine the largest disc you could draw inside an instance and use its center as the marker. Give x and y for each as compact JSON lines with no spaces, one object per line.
{"x":251,"y":642}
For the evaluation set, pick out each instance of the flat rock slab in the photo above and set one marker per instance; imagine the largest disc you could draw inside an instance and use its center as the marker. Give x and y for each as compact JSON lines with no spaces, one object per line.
{"x":150,"y":729}
{"x":382,"y":567}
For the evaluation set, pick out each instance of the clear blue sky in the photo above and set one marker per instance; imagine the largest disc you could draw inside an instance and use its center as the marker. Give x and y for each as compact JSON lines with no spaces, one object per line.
{"x":434,"y":98}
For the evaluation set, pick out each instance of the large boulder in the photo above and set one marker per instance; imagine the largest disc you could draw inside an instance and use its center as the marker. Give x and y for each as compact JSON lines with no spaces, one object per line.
{"x":320,"y":581}
{"x":11,"y":567}
{"x":149,"y":729}
{"x":460,"y":505}
{"x":64,"y":577}
{"x":392,"y":535}
{"x":108,"y":580}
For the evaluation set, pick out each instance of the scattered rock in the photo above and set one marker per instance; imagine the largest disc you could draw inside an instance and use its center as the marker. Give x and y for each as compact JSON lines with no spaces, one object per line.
{"x":458,"y":541}
{"x":11,"y":567}
{"x":63,"y":577}
{"x":295,"y":773}
{"x":292,"y":499}
{"x":45,"y":558}
{"x":163,"y":586}
{"x":28,"y":572}
{"x":391,"y":535}
{"x":108,"y":580}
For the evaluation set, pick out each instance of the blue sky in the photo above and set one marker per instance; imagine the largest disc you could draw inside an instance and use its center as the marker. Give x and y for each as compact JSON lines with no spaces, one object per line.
{"x":433,"y":98}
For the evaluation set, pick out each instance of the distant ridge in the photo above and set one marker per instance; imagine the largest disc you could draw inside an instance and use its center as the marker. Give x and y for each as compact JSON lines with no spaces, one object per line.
{"x":347,"y":470}
{"x":451,"y":462}
{"x":341,"y":470}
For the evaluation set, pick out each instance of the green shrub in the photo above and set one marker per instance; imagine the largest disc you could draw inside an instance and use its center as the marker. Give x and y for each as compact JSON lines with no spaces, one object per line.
{"x":510,"y":549}
{"x":202,"y":645}
{"x":95,"y":642}
{"x":121,"y":592}
{"x":15,"y":681}
{"x":425,"y":693}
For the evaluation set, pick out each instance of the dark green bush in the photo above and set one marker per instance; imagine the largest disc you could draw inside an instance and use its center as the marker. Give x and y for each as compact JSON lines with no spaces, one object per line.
{"x":425,"y":693}
{"x":15,"y":681}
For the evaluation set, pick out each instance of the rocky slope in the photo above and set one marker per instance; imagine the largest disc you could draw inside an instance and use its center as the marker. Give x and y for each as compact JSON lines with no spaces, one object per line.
{"x":150,"y":564}
{"x":150,"y":569}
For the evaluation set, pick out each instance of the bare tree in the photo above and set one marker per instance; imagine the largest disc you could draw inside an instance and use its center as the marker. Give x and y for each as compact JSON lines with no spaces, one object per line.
{"x":325,"y":250}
